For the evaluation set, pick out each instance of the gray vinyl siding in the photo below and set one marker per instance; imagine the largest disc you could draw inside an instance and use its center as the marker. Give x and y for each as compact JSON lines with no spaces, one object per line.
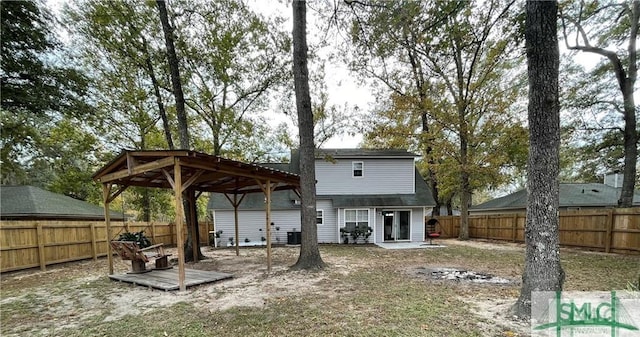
{"x":288,"y":220}
{"x":249,"y":223}
{"x":380,"y":176}
{"x":327,"y":232}
{"x":417,"y":224}
{"x":379,"y":228}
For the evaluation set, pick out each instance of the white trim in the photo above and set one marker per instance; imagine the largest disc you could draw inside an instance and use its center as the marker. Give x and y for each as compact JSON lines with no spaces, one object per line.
{"x":353,"y":169}
{"x":410,"y":210}
{"x":321,"y":216}
{"x":344,"y":219}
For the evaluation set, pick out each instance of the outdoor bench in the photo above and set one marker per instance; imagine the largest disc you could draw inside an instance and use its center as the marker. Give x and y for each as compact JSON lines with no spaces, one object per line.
{"x":129,"y":250}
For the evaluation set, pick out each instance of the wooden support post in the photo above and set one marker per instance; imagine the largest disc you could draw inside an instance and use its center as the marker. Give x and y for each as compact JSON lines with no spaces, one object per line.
{"x":94,"y":248}
{"x":235,"y":217}
{"x":41,"y":255}
{"x":106,"y":193}
{"x":609,"y":235}
{"x":179,"y":216}
{"x":236,"y":203}
{"x":268,"y":212}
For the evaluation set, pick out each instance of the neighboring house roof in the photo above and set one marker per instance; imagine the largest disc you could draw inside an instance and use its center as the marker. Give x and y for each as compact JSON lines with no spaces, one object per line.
{"x":29,"y":202}
{"x":571,"y":195}
{"x":282,"y":200}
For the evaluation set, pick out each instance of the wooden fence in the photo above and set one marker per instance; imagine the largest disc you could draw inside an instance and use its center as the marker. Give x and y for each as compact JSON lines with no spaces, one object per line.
{"x":610,"y":230}
{"x":30,"y":244}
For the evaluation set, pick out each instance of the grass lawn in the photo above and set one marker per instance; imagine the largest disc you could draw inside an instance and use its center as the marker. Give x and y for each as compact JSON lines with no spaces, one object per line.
{"x":364,"y":291}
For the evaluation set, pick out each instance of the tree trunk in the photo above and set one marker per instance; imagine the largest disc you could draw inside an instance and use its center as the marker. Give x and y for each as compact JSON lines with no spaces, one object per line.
{"x":174,"y":69}
{"x":542,"y":270}
{"x":309,"y":253}
{"x":465,"y":193}
{"x":156,"y":92}
{"x":465,"y":197}
{"x":630,"y":150}
{"x":183,"y":129}
{"x":630,"y":132}
{"x":146,"y":205}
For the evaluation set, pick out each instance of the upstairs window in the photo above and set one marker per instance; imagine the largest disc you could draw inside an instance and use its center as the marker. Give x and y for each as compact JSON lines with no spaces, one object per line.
{"x":358,"y":168}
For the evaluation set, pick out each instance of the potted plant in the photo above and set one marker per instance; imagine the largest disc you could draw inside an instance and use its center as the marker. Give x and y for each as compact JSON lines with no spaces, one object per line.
{"x":247,"y":240}
{"x":367,"y":233}
{"x":137,"y":237}
{"x":355,"y":234}
{"x":217,"y":235}
{"x":344,"y":234}
{"x":231,"y":241}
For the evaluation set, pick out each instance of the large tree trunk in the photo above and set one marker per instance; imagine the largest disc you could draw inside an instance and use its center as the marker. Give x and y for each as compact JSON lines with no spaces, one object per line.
{"x":156,"y":92}
{"x":183,"y":129}
{"x":146,"y":205}
{"x":465,"y":192}
{"x":174,"y":70}
{"x":542,"y":270}
{"x":309,"y":253}
{"x":630,"y":132}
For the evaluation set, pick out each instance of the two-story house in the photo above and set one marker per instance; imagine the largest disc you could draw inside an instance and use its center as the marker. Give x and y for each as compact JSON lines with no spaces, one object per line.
{"x":380,"y":189}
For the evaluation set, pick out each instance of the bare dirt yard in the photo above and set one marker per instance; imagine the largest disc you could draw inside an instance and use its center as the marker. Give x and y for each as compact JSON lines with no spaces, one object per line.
{"x":463,"y":289}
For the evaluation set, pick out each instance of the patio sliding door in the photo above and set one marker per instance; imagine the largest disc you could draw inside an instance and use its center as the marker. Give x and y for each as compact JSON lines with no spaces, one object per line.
{"x":397,"y":225}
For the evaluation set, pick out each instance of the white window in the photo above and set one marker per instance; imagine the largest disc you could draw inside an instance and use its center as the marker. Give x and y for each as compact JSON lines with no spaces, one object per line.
{"x":357,"y":168}
{"x":319,"y":217}
{"x":356,"y":218}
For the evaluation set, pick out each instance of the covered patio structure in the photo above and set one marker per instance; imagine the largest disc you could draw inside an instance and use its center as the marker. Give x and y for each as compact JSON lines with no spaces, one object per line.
{"x":189,"y":174}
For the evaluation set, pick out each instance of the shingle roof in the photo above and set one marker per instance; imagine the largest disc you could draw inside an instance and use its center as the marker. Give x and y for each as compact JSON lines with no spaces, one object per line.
{"x":571,"y":195}
{"x":369,"y":153}
{"x":29,"y":202}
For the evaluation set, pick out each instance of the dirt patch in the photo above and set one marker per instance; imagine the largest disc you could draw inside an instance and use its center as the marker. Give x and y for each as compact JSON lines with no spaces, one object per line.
{"x":84,"y":292}
{"x":496,"y":313}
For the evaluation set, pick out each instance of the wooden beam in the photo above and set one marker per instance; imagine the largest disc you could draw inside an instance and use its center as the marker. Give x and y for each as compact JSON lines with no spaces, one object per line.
{"x":150,"y":166}
{"x":249,"y":171}
{"x":131,"y":162}
{"x":120,"y":189}
{"x":268,"y":224}
{"x":106,"y":192}
{"x":169,"y":178}
{"x":255,"y":190}
{"x":235,"y":218}
{"x":191,"y":180}
{"x":179,"y":216}
{"x":155,"y":153}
